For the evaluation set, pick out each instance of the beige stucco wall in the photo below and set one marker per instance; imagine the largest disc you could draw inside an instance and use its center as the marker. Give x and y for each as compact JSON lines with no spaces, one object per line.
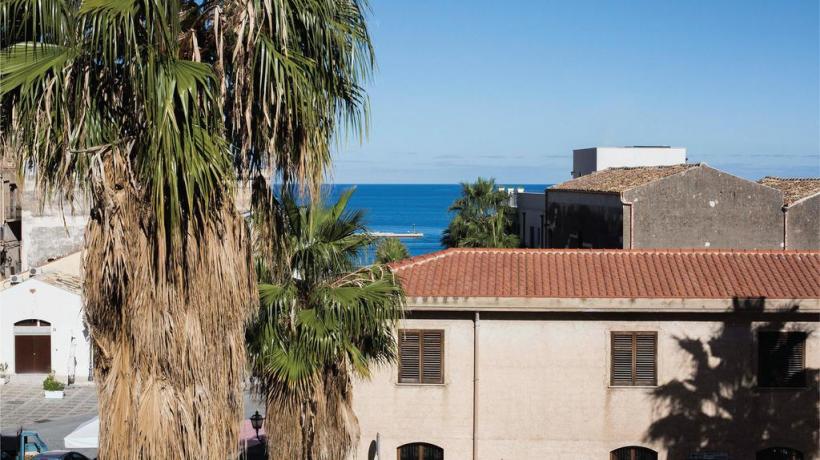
{"x":438,"y":414}
{"x":544,"y":392}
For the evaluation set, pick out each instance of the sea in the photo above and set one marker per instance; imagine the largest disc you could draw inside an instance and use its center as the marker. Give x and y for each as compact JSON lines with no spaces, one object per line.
{"x":401,"y":208}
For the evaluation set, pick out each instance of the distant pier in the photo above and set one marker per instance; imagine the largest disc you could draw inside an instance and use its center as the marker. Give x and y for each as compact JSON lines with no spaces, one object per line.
{"x":404,"y":235}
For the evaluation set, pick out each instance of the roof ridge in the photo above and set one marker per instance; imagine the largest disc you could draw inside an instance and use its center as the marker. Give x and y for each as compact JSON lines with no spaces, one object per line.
{"x":790,"y":178}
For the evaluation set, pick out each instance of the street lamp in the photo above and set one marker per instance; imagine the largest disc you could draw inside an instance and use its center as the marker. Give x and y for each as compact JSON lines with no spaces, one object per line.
{"x":256,"y":422}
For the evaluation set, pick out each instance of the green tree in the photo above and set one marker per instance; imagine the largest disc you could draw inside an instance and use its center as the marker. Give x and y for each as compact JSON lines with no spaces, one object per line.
{"x":153,"y":109}
{"x":391,"y":250}
{"x":322,"y":320}
{"x":483,"y":218}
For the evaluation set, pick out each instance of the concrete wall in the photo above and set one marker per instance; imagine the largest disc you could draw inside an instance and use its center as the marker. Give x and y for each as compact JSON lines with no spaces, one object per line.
{"x":578,"y":220}
{"x":50,"y":232}
{"x":704,"y":207}
{"x":531,"y":226}
{"x":34,"y":299}
{"x":585,"y":161}
{"x":544,"y":391}
{"x":803,"y":224}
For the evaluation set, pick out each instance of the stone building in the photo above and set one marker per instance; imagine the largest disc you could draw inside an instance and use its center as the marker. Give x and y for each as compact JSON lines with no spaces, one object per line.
{"x":801,"y":210}
{"x":681,"y":206}
{"x":600,"y":354}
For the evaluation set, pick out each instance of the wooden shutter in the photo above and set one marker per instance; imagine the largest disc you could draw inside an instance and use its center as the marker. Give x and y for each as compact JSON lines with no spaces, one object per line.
{"x":634,"y":359}
{"x":432,"y":356}
{"x":645,"y":358}
{"x":781,"y":359}
{"x":622,"y":358}
{"x":409,"y":358}
{"x":421,"y":356}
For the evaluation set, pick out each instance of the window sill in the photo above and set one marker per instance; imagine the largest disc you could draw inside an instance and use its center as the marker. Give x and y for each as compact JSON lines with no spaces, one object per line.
{"x":632,"y":387}
{"x":780,"y":389}
{"x":406,"y":384}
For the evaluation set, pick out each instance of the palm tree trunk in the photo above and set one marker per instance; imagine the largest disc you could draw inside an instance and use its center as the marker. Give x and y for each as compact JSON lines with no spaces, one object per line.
{"x":167,"y":322}
{"x":320,"y":426}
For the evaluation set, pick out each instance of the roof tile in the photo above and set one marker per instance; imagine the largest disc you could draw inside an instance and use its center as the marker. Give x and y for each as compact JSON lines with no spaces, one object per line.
{"x":595,"y":273}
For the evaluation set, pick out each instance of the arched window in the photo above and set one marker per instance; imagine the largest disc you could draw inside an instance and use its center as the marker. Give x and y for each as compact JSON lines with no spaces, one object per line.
{"x":420,"y":451}
{"x":779,"y":453}
{"x":32,"y":322}
{"x":633,"y":453}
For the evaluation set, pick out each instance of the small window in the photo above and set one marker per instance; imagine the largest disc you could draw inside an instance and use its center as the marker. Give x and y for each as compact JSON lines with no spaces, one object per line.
{"x":781,"y":359}
{"x":420,"y":451}
{"x":32,"y":322}
{"x":633,"y":453}
{"x":421,"y":356}
{"x":634,"y":359}
{"x":779,"y":453}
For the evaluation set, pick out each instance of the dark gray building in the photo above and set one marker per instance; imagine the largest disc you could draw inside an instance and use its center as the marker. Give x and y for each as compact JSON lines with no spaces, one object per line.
{"x":801,"y":210}
{"x":679,"y":206}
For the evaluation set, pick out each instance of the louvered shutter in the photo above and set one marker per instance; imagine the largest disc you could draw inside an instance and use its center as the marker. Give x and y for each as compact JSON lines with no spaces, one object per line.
{"x":634,"y":359}
{"x":781,"y":359}
{"x":645,"y":345}
{"x":622,"y":358}
{"x":409,"y":357}
{"x":432,"y":356}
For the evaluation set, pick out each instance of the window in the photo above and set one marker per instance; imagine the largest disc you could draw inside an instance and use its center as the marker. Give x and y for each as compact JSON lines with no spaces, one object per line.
{"x":781,"y":359}
{"x":779,"y":453}
{"x":421,"y":356}
{"x":420,"y":451}
{"x":633,"y":453}
{"x":32,"y":322}
{"x":634,"y":359}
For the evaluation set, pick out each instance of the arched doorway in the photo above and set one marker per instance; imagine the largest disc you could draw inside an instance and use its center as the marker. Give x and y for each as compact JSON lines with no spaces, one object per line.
{"x":633,"y":453}
{"x":420,"y":451}
{"x":32,"y":346}
{"x":779,"y":453}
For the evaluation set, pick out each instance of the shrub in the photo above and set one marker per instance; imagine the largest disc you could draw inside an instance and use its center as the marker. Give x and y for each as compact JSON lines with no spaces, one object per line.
{"x":52,"y":384}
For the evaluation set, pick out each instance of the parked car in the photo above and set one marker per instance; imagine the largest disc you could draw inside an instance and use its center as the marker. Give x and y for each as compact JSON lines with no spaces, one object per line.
{"x":61,"y":455}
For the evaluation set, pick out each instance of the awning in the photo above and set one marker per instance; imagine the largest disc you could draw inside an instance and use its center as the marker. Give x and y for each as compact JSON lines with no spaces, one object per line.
{"x":86,"y":435}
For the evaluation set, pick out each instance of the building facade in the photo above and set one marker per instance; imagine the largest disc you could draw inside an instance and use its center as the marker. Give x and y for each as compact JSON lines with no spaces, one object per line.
{"x":530,"y":213}
{"x":685,"y":206}
{"x":532,"y":354}
{"x":10,"y":221}
{"x":42,"y":327}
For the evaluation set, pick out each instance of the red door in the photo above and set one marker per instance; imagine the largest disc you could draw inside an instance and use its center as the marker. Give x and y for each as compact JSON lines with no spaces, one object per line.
{"x":32,"y":354}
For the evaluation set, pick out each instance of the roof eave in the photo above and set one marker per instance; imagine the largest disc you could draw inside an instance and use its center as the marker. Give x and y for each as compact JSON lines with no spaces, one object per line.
{"x":612,"y":305}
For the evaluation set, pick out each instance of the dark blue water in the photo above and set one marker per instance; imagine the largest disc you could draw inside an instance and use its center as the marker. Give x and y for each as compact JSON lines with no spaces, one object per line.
{"x":401,"y":208}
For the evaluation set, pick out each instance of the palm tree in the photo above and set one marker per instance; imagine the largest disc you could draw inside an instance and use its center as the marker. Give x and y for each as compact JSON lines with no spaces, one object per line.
{"x":483,"y":217}
{"x":322,"y":320}
{"x":391,"y":250}
{"x":153,"y":109}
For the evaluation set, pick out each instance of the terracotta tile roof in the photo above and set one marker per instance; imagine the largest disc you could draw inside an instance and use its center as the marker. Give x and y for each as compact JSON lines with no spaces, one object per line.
{"x":592,"y":273}
{"x":794,"y":189}
{"x":618,"y":180}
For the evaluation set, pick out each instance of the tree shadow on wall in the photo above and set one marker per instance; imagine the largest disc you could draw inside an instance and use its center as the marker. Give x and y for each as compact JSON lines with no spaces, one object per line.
{"x":721,"y":409}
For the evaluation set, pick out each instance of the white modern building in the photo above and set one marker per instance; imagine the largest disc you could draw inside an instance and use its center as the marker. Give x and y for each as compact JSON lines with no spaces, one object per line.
{"x":42,"y":327}
{"x":589,"y":160}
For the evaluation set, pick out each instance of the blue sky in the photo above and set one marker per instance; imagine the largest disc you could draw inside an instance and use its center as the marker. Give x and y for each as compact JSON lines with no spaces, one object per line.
{"x":509,"y":88}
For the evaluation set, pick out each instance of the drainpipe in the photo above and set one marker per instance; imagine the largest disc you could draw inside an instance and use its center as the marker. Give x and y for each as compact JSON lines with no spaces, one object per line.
{"x":785,"y":228}
{"x":476,"y":327}
{"x":631,"y":223}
